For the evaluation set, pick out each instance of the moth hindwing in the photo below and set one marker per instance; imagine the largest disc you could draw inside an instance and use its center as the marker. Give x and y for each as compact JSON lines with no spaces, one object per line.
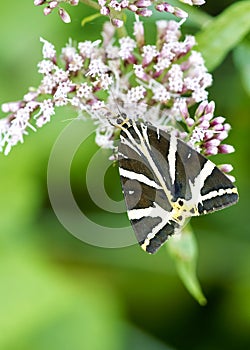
{"x":165,"y":181}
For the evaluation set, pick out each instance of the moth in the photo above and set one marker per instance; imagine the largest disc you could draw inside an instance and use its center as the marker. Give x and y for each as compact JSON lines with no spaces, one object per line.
{"x":165,"y":182}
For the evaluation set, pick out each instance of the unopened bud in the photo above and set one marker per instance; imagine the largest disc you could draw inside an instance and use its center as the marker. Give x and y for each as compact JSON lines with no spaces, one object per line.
{"x":180,"y":13}
{"x":64,"y":15}
{"x":53,"y":4}
{"x":47,"y":11}
{"x":139,"y":33}
{"x":211,"y":151}
{"x":226,"y":168}
{"x":143,"y":3}
{"x":11,"y":107}
{"x":226,"y":149}
{"x":144,"y":12}
{"x":74,"y":2}
{"x":39,"y":2}
{"x":218,"y":120}
{"x":117,"y":22}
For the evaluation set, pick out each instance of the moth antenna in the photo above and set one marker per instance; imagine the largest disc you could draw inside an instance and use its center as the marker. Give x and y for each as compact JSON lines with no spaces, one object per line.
{"x":117,"y":106}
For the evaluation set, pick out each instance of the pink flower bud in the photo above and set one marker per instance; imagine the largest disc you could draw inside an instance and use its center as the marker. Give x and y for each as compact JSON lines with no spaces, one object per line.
{"x":212,"y":143}
{"x":160,"y":7}
{"x":206,"y":117}
{"x":124,"y":4}
{"x":226,"y":149}
{"x":208,"y":135}
{"x":30,"y":96}
{"x":227,"y":127}
{"x":104,"y":11}
{"x":183,"y":135}
{"x":168,"y":8}
{"x":139,"y":33}
{"x":180,"y":13}
{"x":47,"y":11}
{"x":226,"y":168}
{"x":133,"y":8}
{"x":117,"y":22}
{"x":11,"y":106}
{"x":200,"y":110}
{"x":217,"y":120}
{"x":64,"y":15}
{"x":74,"y":2}
{"x":204,"y":124}
{"x":221,"y":135}
{"x":39,"y":2}
{"x":210,"y":107}
{"x":53,"y":4}
{"x":198,"y":2}
{"x":131,"y":59}
{"x":102,"y":2}
{"x":143,"y":3}
{"x":184,"y":110}
{"x":211,"y":151}
{"x":218,"y":127}
{"x":144,"y":12}
{"x":189,"y":122}
{"x":193,"y":2}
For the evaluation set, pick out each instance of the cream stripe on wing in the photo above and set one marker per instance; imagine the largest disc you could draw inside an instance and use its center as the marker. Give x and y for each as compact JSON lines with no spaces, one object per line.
{"x":137,"y":214}
{"x":129,"y":144}
{"x":165,"y":216}
{"x":218,"y":193}
{"x":172,"y":156}
{"x":199,"y":182}
{"x":131,"y":175}
{"x":145,"y":134}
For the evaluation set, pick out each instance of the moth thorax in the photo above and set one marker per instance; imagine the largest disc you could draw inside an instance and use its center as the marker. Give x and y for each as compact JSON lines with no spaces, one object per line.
{"x":123,"y":121}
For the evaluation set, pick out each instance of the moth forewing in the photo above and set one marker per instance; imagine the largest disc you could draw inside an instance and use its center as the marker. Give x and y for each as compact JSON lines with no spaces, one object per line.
{"x":165,"y":181}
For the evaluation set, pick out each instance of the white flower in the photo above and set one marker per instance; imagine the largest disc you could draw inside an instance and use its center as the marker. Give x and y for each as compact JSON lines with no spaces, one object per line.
{"x":47,"y":108}
{"x":47,"y":85}
{"x":60,"y":75}
{"x":84,"y":90}
{"x":45,"y":67}
{"x":149,"y":52}
{"x":115,"y":5}
{"x":76,"y":63}
{"x":97,"y":67}
{"x":98,"y":105}
{"x":161,"y":94}
{"x":48,"y":49}
{"x":136,"y":93}
{"x":105,"y":81}
{"x":68,"y":52}
{"x":175,"y":78}
{"x":127,"y":45}
{"x":88,"y":48}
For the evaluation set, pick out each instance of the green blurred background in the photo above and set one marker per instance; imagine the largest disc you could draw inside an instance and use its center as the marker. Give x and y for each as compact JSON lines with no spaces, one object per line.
{"x":57,"y":292}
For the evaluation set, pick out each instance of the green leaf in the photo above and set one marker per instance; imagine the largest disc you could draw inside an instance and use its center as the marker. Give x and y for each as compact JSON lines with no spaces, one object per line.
{"x":183,"y":249}
{"x":241,"y":57}
{"x":223,"y":33}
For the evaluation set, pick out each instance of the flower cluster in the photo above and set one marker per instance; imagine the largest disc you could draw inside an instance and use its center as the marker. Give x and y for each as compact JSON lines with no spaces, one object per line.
{"x":155,"y":83}
{"x":52,"y":5}
{"x":207,"y":131}
{"x":113,"y":8}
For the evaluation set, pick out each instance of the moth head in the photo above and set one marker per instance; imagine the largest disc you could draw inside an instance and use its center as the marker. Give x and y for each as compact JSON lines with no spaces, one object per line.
{"x":123,"y":121}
